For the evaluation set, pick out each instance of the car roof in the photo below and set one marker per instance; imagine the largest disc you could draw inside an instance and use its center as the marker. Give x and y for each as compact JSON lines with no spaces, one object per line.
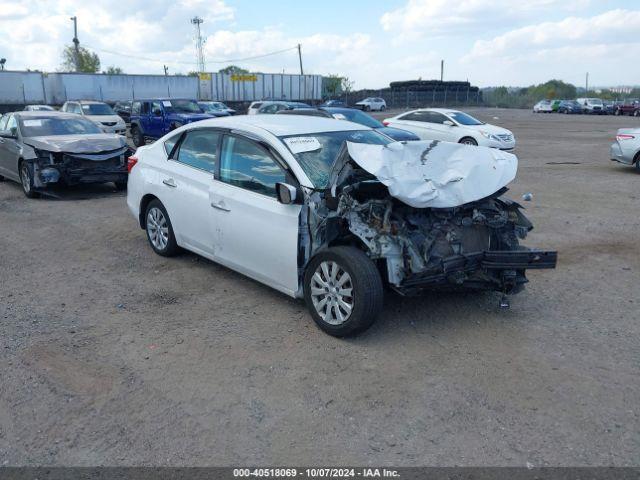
{"x":160,"y":99}
{"x":340,"y":109}
{"x":87,"y":102}
{"x":280,"y":125}
{"x":439,"y":110}
{"x":45,"y":113}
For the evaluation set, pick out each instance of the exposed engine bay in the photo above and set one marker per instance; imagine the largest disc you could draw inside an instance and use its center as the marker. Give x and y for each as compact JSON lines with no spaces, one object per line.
{"x":473,"y":245}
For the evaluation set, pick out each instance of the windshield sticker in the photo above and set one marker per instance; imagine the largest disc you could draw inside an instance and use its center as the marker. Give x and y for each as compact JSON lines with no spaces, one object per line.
{"x":339,"y":116}
{"x":32,"y":123}
{"x":302,"y":144}
{"x":86,"y":107}
{"x":166,"y":103}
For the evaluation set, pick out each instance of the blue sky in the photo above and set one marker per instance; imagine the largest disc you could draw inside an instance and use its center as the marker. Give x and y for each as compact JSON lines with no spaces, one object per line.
{"x":488,"y":42}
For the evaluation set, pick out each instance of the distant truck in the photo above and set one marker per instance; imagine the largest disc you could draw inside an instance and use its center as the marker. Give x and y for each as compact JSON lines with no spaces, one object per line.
{"x":628,"y":107}
{"x":592,"y":105}
{"x":153,"y":118}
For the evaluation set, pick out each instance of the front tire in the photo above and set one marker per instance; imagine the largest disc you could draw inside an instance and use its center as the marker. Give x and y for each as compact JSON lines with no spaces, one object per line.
{"x":343,"y":291}
{"x":468,"y":141}
{"x":26,"y":179}
{"x":159,"y":230}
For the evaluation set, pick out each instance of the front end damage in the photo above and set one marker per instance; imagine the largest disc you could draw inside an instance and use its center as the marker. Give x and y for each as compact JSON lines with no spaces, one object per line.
{"x":427,"y":241}
{"x":75,"y":168}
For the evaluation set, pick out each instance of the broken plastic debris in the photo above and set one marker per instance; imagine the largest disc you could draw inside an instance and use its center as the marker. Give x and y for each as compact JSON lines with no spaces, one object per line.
{"x":436,"y":174}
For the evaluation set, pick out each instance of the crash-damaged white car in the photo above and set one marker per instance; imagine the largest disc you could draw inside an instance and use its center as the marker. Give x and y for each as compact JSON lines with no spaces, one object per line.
{"x":333,"y":211}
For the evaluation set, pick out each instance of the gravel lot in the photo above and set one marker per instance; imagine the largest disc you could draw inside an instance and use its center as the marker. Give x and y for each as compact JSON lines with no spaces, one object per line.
{"x":112,"y":355}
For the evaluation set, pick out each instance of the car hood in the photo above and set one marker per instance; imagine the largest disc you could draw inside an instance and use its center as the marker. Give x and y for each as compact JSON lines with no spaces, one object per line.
{"x":193,"y":117}
{"x":433,"y":174}
{"x":487,"y":127}
{"x":104,"y":118}
{"x":97,"y":142}
{"x":398,"y":134}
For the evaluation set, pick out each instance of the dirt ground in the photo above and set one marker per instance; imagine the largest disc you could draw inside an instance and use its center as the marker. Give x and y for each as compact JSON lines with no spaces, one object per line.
{"x":112,"y":355}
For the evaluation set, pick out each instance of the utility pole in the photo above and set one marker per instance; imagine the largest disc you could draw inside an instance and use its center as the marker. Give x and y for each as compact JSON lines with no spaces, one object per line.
{"x":166,"y":70}
{"x":441,"y":70}
{"x":586,"y":84}
{"x":76,"y":42}
{"x":300,"y":58}
{"x":199,"y":43}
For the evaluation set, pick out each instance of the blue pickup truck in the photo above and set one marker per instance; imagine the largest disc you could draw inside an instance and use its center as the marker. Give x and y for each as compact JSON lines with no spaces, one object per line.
{"x":153,"y":118}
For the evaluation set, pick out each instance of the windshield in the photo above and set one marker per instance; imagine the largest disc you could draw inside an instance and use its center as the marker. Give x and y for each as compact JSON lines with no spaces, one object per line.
{"x":317,"y":163}
{"x":357,"y":116}
{"x":595,"y":101}
{"x":464,"y":119}
{"x":36,"y":127}
{"x":182,"y":106}
{"x":97,"y":109}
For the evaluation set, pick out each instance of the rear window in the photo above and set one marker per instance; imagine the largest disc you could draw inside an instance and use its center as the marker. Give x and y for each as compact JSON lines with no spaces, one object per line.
{"x":36,"y":127}
{"x":97,"y":109}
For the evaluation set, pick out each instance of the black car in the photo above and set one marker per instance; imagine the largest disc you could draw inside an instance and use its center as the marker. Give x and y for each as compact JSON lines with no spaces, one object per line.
{"x":123,"y":110}
{"x":334,"y":103}
{"x":358,"y":116}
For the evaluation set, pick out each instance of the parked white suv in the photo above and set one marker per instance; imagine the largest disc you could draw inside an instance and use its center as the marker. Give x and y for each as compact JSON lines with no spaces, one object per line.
{"x":452,"y":126}
{"x":99,"y":113}
{"x":372,"y":104}
{"x":304,"y":205}
{"x":543,"y":106}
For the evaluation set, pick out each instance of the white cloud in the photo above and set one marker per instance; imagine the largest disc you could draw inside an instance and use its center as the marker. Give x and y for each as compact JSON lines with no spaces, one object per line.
{"x":603,"y":44}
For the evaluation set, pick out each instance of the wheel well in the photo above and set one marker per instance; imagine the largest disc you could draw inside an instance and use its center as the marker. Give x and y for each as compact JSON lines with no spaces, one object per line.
{"x":636,"y":158}
{"x":146,"y":200}
{"x":465,"y":137}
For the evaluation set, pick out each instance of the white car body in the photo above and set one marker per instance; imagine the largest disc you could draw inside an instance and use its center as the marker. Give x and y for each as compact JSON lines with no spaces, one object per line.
{"x":109,"y":123}
{"x":626,"y":148}
{"x":372,"y":104}
{"x":444,"y":124}
{"x":591,"y":105}
{"x":254,"y":107}
{"x":543,"y":106}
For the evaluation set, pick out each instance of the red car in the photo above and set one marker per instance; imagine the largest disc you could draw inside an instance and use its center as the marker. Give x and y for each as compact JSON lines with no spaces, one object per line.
{"x":628,"y":107}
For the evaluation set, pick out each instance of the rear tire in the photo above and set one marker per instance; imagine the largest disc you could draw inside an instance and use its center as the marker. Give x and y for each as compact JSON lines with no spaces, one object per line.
{"x":26,"y":179}
{"x":137,"y":137}
{"x":343,"y":291}
{"x":159,"y":230}
{"x":468,"y":141}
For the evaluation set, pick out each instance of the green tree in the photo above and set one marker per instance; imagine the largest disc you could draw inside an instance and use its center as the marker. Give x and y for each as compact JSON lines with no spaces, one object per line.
{"x":88,"y":62}
{"x":233,"y":69}
{"x":332,"y":85}
{"x":114,"y":71}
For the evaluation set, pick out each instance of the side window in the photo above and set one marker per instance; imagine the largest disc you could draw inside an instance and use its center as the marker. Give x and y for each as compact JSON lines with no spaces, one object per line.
{"x":144,"y":108}
{"x":169,"y":144}
{"x":435,"y":117}
{"x":155,"y":107}
{"x":135,"y":108}
{"x":416,"y":117}
{"x":75,"y":108}
{"x":247,"y":165}
{"x":12,"y":123}
{"x":3,"y":122}
{"x":199,"y":149}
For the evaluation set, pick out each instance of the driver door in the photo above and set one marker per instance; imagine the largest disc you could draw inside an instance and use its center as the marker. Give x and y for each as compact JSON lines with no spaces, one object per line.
{"x":9,"y":148}
{"x":253,"y":232}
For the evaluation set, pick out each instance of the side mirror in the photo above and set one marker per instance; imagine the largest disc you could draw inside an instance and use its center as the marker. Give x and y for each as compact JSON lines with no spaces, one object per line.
{"x":449,"y":123}
{"x":157,"y":112}
{"x":287,"y":194}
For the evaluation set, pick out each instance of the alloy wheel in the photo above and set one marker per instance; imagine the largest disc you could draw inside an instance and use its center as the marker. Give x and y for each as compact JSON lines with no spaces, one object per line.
{"x":25,"y":177}
{"x":157,"y":228}
{"x":332,"y":293}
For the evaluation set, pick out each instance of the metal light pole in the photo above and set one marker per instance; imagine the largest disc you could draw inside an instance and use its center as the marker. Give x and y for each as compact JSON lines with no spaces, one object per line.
{"x":300,"y":58}
{"x":76,"y":42}
{"x":199,"y":43}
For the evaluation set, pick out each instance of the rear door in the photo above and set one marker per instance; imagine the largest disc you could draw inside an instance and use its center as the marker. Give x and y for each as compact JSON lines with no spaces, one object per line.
{"x":416,"y":122}
{"x":254,"y":233}
{"x":186,"y":182}
{"x":156,"y":120}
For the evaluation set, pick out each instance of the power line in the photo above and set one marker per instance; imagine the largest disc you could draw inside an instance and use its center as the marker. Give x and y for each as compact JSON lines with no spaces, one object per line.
{"x":229,"y":60}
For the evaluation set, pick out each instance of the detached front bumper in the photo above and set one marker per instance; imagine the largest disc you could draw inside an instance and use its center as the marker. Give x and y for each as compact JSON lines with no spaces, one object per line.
{"x":502,"y":271}
{"x":73,"y":169}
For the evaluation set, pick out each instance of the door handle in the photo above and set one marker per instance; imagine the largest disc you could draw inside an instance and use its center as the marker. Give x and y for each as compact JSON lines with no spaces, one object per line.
{"x":169,"y":182}
{"x":220,"y":206}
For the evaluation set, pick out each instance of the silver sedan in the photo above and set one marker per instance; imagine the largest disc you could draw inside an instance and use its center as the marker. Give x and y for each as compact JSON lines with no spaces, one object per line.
{"x":626,"y":148}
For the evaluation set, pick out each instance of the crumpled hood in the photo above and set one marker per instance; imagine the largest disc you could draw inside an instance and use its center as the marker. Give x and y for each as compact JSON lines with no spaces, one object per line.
{"x":104,"y":118}
{"x":93,"y":143}
{"x":434,"y":174}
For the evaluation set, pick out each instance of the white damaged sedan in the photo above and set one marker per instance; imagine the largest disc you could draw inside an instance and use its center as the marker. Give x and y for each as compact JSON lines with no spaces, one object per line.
{"x":331,"y":211}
